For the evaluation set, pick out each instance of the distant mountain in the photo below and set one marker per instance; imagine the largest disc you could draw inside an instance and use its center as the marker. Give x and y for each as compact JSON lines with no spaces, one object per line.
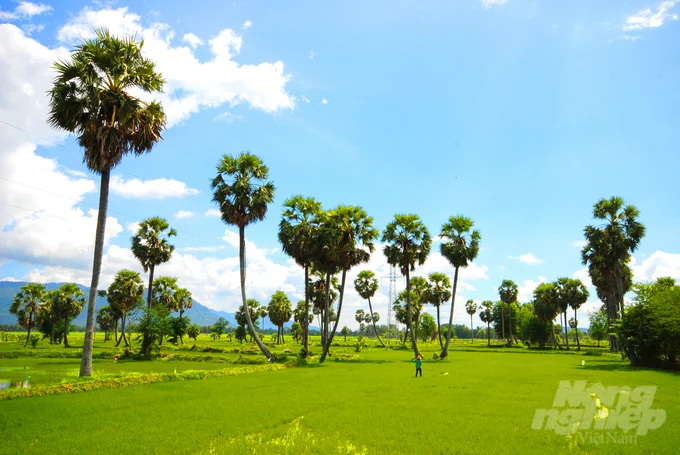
{"x":198,"y":314}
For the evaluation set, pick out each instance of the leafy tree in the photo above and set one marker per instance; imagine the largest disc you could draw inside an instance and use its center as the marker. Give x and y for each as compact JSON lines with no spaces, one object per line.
{"x":242,"y":193}
{"x":193,"y":331}
{"x":366,"y":285}
{"x":125,"y":294}
{"x":183,"y":301}
{"x":486,"y":315}
{"x":471,"y":309}
{"x":296,"y":331}
{"x":302,"y":309}
{"x":508,"y":292}
{"x":220,"y":326}
{"x":428,"y":327}
{"x":163,"y":297}
{"x":91,"y":99}
{"x":105,"y":320}
{"x":47,"y":320}
{"x":570,"y":293}
{"x":280,"y":312}
{"x":608,"y":251}
{"x":402,"y":314}
{"x":598,"y":326}
{"x":297,"y":234}
{"x":254,"y":310}
{"x":26,"y":304}
{"x":346,"y":238}
{"x":438,"y":292}
{"x":345,"y":332}
{"x":240,"y":333}
{"x":546,"y":307}
{"x":407,"y":243}
{"x":68,"y":304}
{"x":460,"y":246}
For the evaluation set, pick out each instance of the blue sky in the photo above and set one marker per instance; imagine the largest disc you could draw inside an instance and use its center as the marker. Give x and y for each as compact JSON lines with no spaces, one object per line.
{"x":519,"y":114}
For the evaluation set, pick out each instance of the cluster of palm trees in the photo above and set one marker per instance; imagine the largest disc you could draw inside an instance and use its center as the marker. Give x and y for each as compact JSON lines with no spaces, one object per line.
{"x":52,"y":310}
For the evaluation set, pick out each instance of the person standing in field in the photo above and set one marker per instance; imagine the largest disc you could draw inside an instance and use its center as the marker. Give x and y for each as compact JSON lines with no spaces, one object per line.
{"x":419,"y":363}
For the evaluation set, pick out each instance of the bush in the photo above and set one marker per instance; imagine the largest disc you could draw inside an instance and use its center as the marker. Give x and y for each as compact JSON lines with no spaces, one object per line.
{"x":650,"y":331}
{"x":34,"y":340}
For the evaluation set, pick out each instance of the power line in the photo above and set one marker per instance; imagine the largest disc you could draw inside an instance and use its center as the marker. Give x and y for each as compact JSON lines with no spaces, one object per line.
{"x":31,"y":134}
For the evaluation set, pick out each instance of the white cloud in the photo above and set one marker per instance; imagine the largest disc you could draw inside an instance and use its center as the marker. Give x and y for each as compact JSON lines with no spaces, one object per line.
{"x":228,"y":117}
{"x":214,"y":213}
{"x":527,"y":258}
{"x":192,"y":40}
{"x":192,"y":84}
{"x":150,"y":189}
{"x":579,"y":243}
{"x":182,"y":214}
{"x":305,"y":99}
{"x":630,"y":37}
{"x":32,"y":28}
{"x":311,"y":55}
{"x":25,"y":10}
{"x":526,"y":289}
{"x":651,"y":19}
{"x":246,"y":25}
{"x":659,"y":264}
{"x":491,"y":3}
{"x":132,"y":227}
{"x":324,"y":101}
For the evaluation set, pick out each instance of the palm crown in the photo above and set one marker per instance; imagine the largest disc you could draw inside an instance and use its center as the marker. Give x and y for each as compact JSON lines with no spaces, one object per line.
{"x":407,"y":242}
{"x":297,"y":228}
{"x":508,"y":291}
{"x":151,"y":246}
{"x":240,"y":189}
{"x":366,"y":284}
{"x":90,"y":99}
{"x":460,"y":243}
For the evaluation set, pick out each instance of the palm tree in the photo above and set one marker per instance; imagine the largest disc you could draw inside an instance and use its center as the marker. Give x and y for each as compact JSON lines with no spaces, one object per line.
{"x":486,"y":315}
{"x":471,"y":309}
{"x":46,"y":316}
{"x":420,"y":290}
{"x":105,"y":320}
{"x":151,"y":247}
{"x":407,"y":242}
{"x":263,"y":314}
{"x":297,"y":233}
{"x":91,"y":99}
{"x":27,"y":302}
{"x":546,"y":307}
{"x":163,"y":296}
{"x":242,"y":193}
{"x":183,"y":301}
{"x":571,"y":293}
{"x":366,"y":285}
{"x":347,"y":235}
{"x":460,"y":246}
{"x":125,"y":294}
{"x":69,"y":304}
{"x":280,"y":312}
{"x":438,"y":293}
{"x":508,"y":293}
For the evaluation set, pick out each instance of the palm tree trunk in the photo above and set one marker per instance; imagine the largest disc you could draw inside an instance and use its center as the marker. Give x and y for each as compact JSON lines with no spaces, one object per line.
{"x":66,"y":333}
{"x":488,"y":334}
{"x":439,"y":329}
{"x":566,"y":332}
{"x":115,"y":330}
{"x":86,"y":362}
{"x":612,"y":316}
{"x":30,"y":323}
{"x":370,"y":308}
{"x":405,"y":336}
{"x":510,"y":324}
{"x":502,"y":322}
{"x":242,"y":263}
{"x":416,"y":351}
{"x":619,"y":286}
{"x":337,"y":319}
{"x":552,"y":334}
{"x":181,"y":312}
{"x":472,"y":334}
{"x":445,"y":351}
{"x":305,"y":333}
{"x":578,"y":343}
{"x":326,"y":312}
{"x":52,"y":334}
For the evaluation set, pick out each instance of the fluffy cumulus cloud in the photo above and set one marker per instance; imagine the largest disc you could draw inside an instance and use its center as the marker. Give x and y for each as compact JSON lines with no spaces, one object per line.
{"x":150,"y":189}
{"x":649,"y":18}
{"x":659,"y":264}
{"x":246,"y":25}
{"x":526,"y":288}
{"x":491,"y":3}
{"x":527,"y":258}
{"x":182,"y":214}
{"x":192,"y":84}
{"x":25,"y":10}
{"x":213,"y":213}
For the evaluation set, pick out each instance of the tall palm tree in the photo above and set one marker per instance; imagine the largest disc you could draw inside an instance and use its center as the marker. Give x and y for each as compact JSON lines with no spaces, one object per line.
{"x":125,"y":294}
{"x":91,"y":98}
{"x":366,"y":285}
{"x":151,"y":246}
{"x":69,"y":304}
{"x":438,"y":293}
{"x":460,"y":246}
{"x":508,"y":292}
{"x":547,"y":308}
{"x":183,"y":301}
{"x":242,"y":193}
{"x":570,"y":293}
{"x":471,"y":309}
{"x":407,"y":243}
{"x":26,"y":304}
{"x":350,"y":235}
{"x":47,"y":316}
{"x":297,"y":231}
{"x":420,"y":290}
{"x":486,"y":315}
{"x":280,"y":312}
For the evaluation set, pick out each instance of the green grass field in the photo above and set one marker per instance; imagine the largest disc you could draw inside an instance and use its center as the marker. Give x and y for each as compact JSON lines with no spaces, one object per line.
{"x":478,"y":401}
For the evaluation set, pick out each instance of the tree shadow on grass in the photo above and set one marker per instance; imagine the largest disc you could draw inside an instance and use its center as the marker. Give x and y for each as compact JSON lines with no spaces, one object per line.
{"x":610,"y":366}
{"x":363,"y":361}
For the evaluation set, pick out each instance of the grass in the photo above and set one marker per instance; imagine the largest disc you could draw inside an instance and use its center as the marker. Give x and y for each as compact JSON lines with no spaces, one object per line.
{"x":478,"y":401}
